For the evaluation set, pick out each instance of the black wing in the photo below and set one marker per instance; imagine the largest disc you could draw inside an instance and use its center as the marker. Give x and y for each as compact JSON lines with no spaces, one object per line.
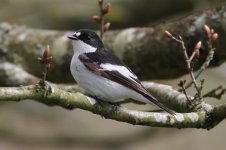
{"x":102,"y":56}
{"x":93,"y":64}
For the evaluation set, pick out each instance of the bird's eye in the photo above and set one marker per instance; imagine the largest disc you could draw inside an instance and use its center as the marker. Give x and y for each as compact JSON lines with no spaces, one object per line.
{"x":77,"y":34}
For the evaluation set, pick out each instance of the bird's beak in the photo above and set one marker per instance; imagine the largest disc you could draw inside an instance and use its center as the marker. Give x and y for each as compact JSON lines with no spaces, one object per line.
{"x":72,"y":37}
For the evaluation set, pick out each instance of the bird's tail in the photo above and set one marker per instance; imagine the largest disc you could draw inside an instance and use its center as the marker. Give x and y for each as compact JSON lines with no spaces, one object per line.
{"x":159,"y":104}
{"x":156,"y":102}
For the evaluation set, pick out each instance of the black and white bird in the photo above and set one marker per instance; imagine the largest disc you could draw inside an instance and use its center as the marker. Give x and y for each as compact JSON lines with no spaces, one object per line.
{"x":102,"y":74}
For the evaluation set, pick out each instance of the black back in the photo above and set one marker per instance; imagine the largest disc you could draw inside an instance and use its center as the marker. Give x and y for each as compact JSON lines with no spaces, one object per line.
{"x":102,"y":56}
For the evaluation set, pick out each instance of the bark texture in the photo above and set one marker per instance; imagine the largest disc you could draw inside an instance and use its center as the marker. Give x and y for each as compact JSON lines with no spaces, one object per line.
{"x":146,"y":50}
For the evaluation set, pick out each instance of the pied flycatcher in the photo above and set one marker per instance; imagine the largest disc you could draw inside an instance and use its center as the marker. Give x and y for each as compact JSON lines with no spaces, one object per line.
{"x":102,"y":74}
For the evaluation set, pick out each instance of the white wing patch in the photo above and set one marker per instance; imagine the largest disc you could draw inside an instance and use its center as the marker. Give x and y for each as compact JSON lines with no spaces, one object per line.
{"x":121,"y":69}
{"x":77,"y":34}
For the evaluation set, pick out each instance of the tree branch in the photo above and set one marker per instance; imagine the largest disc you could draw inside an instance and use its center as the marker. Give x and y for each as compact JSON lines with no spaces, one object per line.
{"x":210,"y":52}
{"x":216,"y":92}
{"x":51,"y":95}
{"x":187,"y":60}
{"x":18,"y":43}
{"x":14,"y":75}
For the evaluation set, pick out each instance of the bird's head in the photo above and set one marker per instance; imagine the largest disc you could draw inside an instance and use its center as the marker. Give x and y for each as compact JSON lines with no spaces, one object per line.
{"x":85,"y":40}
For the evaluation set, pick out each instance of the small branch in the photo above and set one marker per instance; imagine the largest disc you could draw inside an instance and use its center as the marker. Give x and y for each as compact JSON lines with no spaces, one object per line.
{"x":211,"y":50}
{"x":216,"y":93}
{"x":195,"y":54}
{"x":104,"y":10}
{"x":181,"y":84}
{"x":101,"y":4}
{"x":45,"y":60}
{"x":186,"y":58}
{"x":209,"y":58}
{"x":188,"y":63}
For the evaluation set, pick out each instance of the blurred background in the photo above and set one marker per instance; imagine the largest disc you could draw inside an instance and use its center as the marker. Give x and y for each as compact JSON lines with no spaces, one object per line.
{"x":29,"y":125}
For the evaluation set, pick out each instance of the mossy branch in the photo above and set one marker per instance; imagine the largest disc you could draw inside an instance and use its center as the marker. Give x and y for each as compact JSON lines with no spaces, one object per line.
{"x":52,"y":95}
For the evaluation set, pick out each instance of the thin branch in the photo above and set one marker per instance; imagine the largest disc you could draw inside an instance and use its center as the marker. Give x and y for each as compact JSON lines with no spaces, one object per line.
{"x":101,"y":4}
{"x":216,"y":93}
{"x":104,"y":10}
{"x":188,"y":63}
{"x":211,"y":37}
{"x":186,"y":58}
{"x":209,"y":58}
{"x":46,"y":61}
{"x":181,"y":84}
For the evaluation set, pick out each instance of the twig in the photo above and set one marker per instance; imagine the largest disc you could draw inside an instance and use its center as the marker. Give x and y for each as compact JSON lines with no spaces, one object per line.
{"x":212,"y":36}
{"x":45,"y":60}
{"x":104,"y":10}
{"x":187,"y":59}
{"x":181,"y":84}
{"x":101,"y":4}
{"x":216,"y":93}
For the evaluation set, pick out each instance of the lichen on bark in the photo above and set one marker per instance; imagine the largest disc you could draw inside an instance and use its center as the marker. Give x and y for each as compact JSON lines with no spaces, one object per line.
{"x":145,"y":50}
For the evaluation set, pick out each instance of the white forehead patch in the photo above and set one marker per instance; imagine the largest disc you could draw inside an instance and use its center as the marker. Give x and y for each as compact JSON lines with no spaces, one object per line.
{"x":77,"y":33}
